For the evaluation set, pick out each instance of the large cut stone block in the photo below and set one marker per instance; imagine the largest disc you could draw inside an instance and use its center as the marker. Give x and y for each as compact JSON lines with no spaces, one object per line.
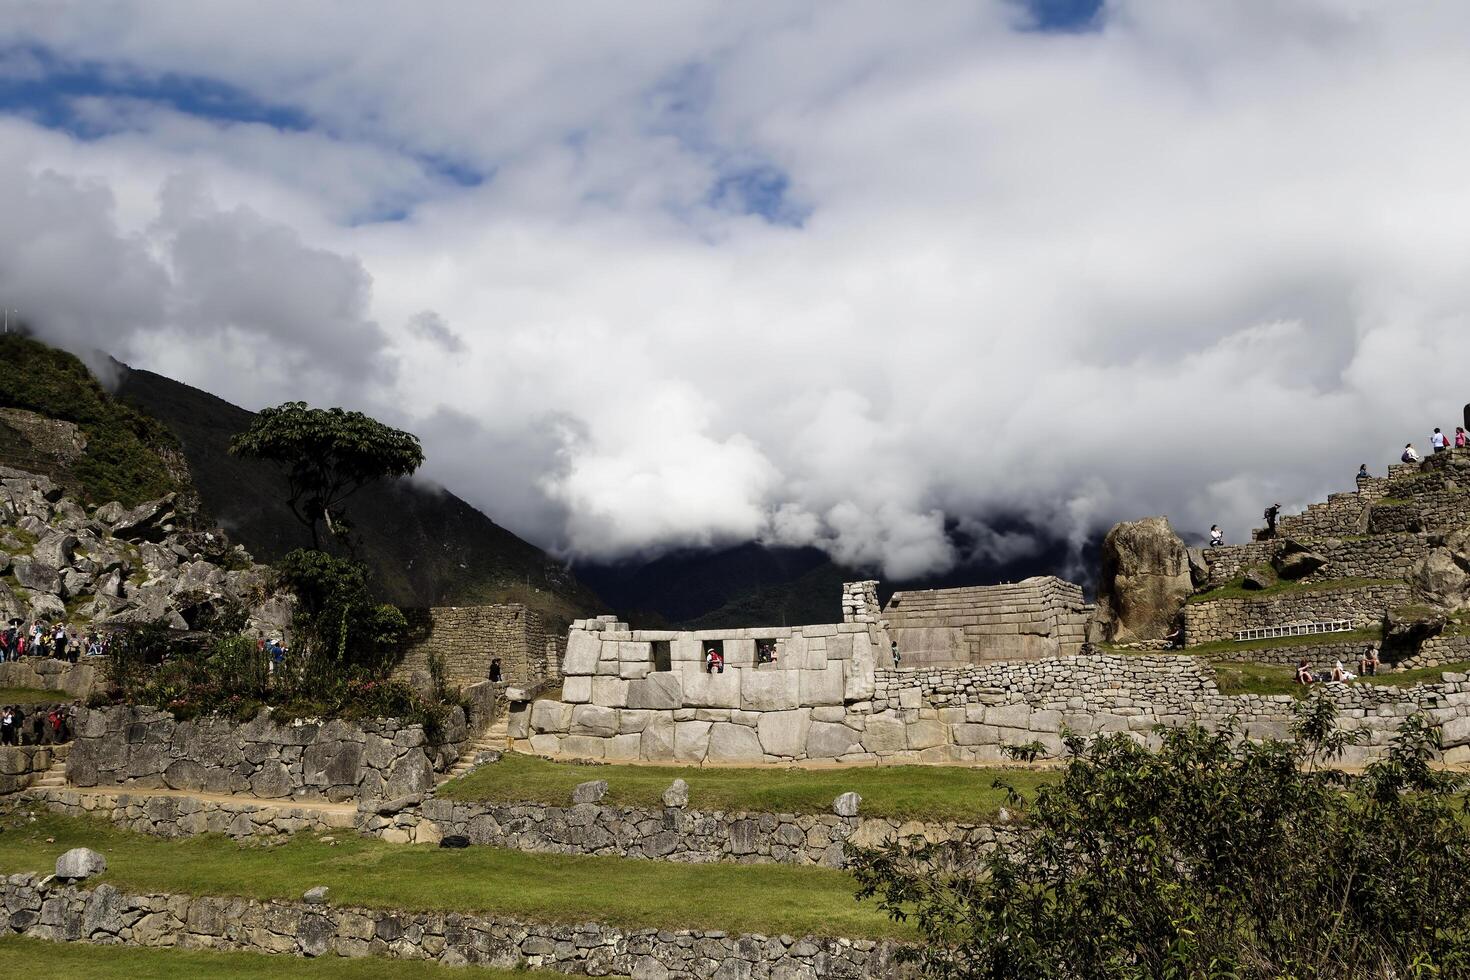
{"x":823,"y":687}
{"x":550,"y":716}
{"x":858,"y":684}
{"x":594,"y":719}
{"x":577,"y":690}
{"x":739,"y":653}
{"x":926,"y":734}
{"x":691,"y":740}
{"x":784,"y":732}
{"x":826,"y":740}
{"x":634,"y":669}
{"x":661,"y":691}
{"x":883,"y":734}
{"x":583,"y":746}
{"x":685,"y":648}
{"x":775,"y":690}
{"x":839,"y":647}
{"x":611,"y":692}
{"x":623,"y":748}
{"x":583,"y":651}
{"x":733,"y":743}
{"x":656,"y":742}
{"x":702,"y":690}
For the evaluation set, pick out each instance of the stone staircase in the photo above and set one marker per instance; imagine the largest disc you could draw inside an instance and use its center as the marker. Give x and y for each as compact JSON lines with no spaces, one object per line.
{"x":55,"y":777}
{"x":496,"y":738}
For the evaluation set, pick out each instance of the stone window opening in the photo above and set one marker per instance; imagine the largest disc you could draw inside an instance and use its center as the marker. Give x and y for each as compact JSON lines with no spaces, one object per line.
{"x":712,"y":655}
{"x":661,"y":654}
{"x":765,"y":651}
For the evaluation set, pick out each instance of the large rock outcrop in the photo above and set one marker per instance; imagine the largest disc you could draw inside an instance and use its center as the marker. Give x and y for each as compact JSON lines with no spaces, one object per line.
{"x":1145,"y":580}
{"x":1444,"y":574}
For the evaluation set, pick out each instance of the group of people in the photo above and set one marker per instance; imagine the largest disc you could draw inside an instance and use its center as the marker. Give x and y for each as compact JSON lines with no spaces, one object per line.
{"x":42,"y":639}
{"x":1438,"y":442}
{"x":49,"y":726}
{"x":1367,"y":664}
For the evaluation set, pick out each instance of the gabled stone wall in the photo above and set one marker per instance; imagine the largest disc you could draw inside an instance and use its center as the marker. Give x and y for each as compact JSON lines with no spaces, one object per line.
{"x":468,"y":638}
{"x":1038,"y":617}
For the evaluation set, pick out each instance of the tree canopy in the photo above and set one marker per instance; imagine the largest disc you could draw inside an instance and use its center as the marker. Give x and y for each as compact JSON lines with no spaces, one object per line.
{"x":329,"y":454}
{"x":1212,"y":857}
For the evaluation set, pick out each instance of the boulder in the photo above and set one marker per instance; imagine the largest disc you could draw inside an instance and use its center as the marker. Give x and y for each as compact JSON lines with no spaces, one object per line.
{"x":1295,"y":560}
{"x":55,"y":549}
{"x":151,"y":521}
{"x":1445,"y":572}
{"x":1199,"y":568}
{"x":1256,"y":579}
{"x":79,"y":863}
{"x":316,"y":896}
{"x":677,"y":795}
{"x":590,"y":792}
{"x":37,"y":576}
{"x":110,"y":513}
{"x":1145,"y":580}
{"x":847,"y":805}
{"x":411,"y":774}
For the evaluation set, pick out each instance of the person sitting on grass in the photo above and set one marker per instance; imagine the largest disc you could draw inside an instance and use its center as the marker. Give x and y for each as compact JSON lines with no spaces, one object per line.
{"x":1341,"y":673}
{"x":1304,"y":672}
{"x":1368,"y":662}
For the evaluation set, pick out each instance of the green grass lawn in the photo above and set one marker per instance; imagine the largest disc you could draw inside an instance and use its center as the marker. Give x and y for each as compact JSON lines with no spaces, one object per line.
{"x":905,"y":792}
{"x":30,"y":695}
{"x":36,"y":959}
{"x":764,"y":898}
{"x":1234,"y":589}
{"x":1254,"y":678}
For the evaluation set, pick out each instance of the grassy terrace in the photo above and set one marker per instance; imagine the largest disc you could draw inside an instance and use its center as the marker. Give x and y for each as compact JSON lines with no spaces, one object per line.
{"x":30,"y":695}
{"x":1253,"y":678}
{"x":39,"y":960}
{"x":905,"y":792}
{"x":771,"y":899}
{"x":1234,"y":589}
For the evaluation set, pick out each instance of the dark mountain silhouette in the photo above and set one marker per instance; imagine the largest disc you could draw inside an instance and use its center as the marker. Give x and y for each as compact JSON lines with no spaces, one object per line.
{"x":424,"y":546}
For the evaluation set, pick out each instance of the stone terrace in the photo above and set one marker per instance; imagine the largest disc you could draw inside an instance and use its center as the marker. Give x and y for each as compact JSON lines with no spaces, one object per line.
{"x":1038,"y":617}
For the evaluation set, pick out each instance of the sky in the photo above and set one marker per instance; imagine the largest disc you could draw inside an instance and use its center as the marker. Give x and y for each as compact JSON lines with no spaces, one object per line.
{"x":646,"y":276}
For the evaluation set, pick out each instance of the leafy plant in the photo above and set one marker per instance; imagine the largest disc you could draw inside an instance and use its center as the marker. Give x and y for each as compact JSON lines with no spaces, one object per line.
{"x":338,"y":628}
{"x":329,"y":454}
{"x":1212,"y":857}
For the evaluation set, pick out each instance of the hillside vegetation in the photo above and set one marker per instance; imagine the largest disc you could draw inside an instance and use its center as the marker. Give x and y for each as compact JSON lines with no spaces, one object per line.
{"x":129,"y":457}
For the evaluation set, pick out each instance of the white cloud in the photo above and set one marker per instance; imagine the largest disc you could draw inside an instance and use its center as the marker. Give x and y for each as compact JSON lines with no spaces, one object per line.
{"x":1196,"y":259}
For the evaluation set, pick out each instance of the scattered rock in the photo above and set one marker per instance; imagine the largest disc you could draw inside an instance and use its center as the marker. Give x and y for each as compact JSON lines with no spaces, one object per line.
{"x":488,"y":757}
{"x":79,"y":863}
{"x":847,"y":805}
{"x":590,"y":792}
{"x":1256,"y":579}
{"x":1296,"y":560}
{"x":677,"y":795}
{"x":316,"y":896}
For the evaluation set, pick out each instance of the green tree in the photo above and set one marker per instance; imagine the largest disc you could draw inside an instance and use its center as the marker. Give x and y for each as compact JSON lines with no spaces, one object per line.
{"x":338,"y":629}
{"x":329,"y":454}
{"x":1212,"y":857}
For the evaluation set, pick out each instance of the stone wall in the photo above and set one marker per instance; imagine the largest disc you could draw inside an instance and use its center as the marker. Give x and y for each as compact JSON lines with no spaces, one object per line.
{"x":1341,"y":515}
{"x":970,"y":713}
{"x":1231,"y":561}
{"x":74,"y":680}
{"x":668,"y":834}
{"x":187,"y":816}
{"x":1439,"y":651}
{"x":467,"y":638}
{"x":21,"y":764}
{"x":1363,"y":606}
{"x":1320,"y":655}
{"x":107,"y":916}
{"x":1377,"y":556}
{"x":1038,"y":617}
{"x":124,"y":745}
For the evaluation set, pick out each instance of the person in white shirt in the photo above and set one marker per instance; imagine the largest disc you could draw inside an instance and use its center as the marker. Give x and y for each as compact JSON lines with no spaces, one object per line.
{"x":1217,"y":536}
{"x":1438,"y":441}
{"x":1411,"y":455}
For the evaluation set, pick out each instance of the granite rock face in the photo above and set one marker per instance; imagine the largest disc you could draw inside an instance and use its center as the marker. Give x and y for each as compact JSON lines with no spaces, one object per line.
{"x":1145,"y":579}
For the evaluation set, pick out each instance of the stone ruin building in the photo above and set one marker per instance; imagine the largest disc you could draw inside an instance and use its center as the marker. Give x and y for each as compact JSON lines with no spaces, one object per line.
{"x":467,"y":638}
{"x":987,"y":669}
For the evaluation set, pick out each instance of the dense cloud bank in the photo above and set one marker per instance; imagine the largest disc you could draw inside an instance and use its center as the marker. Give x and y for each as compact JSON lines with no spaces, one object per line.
{"x":658,"y":276}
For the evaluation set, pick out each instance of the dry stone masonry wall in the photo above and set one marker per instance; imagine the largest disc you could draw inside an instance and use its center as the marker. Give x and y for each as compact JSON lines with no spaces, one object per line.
{"x":108,"y":916}
{"x":188,"y":816}
{"x":1042,"y":616}
{"x":1219,"y":619}
{"x":468,"y":638}
{"x":336,"y":760}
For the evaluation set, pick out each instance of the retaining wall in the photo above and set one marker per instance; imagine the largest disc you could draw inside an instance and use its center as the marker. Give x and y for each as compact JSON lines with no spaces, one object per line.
{"x":21,"y":764}
{"x":668,"y":834}
{"x":468,"y":638}
{"x":108,"y":916}
{"x":187,"y":816}
{"x":1363,"y":606}
{"x":73,"y":680}
{"x":336,"y":760}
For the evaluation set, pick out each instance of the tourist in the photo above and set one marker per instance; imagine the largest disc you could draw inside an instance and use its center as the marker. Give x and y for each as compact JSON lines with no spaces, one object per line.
{"x":1270,"y":515}
{"x":59,"y":641}
{"x":1304,"y":672}
{"x":495,"y":670}
{"x":1363,"y":471}
{"x":1217,"y":536}
{"x":1438,"y":441}
{"x":7,"y":726}
{"x":1461,"y":439}
{"x":1175,"y":639}
{"x":714,"y":661}
{"x":1368,"y":662}
{"x":1411,"y":455}
{"x":1341,"y":674}
{"x":897,"y":658}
